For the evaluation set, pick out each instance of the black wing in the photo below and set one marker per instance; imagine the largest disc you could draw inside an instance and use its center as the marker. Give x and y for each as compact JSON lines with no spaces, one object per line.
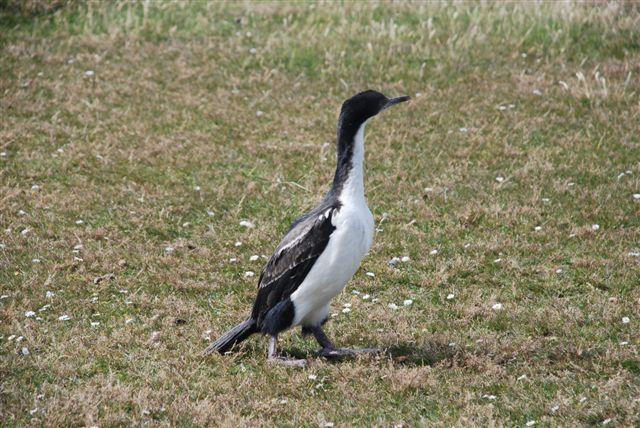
{"x":293,"y":259}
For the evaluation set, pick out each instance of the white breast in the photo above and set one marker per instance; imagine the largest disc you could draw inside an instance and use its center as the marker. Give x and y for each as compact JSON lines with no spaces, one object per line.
{"x":337,"y":264}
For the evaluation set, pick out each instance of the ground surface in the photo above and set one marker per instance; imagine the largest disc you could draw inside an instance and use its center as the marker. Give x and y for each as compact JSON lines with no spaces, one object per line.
{"x":135,"y":139}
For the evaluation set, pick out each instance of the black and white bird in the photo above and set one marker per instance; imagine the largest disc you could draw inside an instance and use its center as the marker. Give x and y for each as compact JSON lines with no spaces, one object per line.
{"x":322,"y":249}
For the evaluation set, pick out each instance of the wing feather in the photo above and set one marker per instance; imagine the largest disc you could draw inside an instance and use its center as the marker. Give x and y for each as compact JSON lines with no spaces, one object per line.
{"x":293,"y":259}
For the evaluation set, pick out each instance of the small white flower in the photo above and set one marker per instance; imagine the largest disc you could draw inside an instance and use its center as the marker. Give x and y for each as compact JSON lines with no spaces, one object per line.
{"x":347,"y":305}
{"x":154,"y":337}
{"x":312,"y":377}
{"x":450,"y":296}
{"x":210,"y":213}
{"x":3,"y":154}
{"x":233,"y":260}
{"x":25,"y":352}
{"x":498,"y":260}
{"x":10,"y":338}
{"x":371,"y":274}
{"x":29,"y":314}
{"x":35,"y":261}
{"x":408,"y":302}
{"x":22,"y":213}
{"x":624,"y":343}
{"x":607,"y":421}
{"x":499,"y":179}
{"x":64,"y":318}
{"x":249,"y":274}
{"x":4,"y":296}
{"x":253,"y":51}
{"x":433,"y":252}
{"x":346,"y":310}
{"x":19,"y":339}
{"x":128,"y":321}
{"x":78,"y":247}
{"x":418,"y":94}
{"x":356,"y":292}
{"x":169,"y":250}
{"x":490,"y":397}
{"x":555,"y":408}
{"x":467,"y":245}
{"x":530,"y":423}
{"x":537,"y":228}
{"x":247,"y":224}
{"x":35,"y":187}
{"x":197,"y":188}
{"x":497,"y":307}
{"x":523,"y":377}
{"x":583,"y":399}
{"x":546,"y":200}
{"x":595,"y":227}
{"x":79,"y":221}
{"x":186,"y":224}
{"x":25,"y":231}
{"x":559,"y":270}
{"x":259,"y":113}
{"x":502,"y":108}
{"x":463,"y":130}
{"x":537,"y":92}
{"x":633,"y":254}
{"x":405,"y":259}
{"x":571,"y":184}
{"x":237,"y":244}
{"x":636,"y":196}
{"x":254,"y":258}
{"x":366,"y":297}
{"x":393,"y":306}
{"x":89,"y":73}
{"x":625,"y":320}
{"x":95,"y":323}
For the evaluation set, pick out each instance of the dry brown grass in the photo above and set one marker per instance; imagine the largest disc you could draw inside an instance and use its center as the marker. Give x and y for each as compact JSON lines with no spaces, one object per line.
{"x":172,"y":104}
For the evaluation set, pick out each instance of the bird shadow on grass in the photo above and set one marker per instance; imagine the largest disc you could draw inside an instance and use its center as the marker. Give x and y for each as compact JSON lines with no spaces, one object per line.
{"x":423,"y":354}
{"x":409,"y":354}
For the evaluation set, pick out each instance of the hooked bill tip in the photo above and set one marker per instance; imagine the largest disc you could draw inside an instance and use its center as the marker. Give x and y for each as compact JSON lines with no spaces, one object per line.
{"x":397,"y":100}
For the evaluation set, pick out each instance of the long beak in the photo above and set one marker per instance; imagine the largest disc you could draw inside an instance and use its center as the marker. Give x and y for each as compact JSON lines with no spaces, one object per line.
{"x":394,"y":101}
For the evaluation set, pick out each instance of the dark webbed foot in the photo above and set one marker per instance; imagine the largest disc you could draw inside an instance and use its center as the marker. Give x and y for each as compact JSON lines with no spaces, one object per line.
{"x":289,"y":362}
{"x":344,"y":352}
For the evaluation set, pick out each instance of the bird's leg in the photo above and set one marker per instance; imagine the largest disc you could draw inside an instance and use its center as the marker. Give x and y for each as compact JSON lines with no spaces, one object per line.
{"x":276,"y":359}
{"x":330,"y":351}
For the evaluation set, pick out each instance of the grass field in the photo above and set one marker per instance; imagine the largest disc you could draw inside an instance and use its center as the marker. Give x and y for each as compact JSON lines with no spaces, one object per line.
{"x":136,"y":136}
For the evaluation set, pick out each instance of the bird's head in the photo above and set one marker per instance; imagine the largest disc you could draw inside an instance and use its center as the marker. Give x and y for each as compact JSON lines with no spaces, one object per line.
{"x":363,"y":106}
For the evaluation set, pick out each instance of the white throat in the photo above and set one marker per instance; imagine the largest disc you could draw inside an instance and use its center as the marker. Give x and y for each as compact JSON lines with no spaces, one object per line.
{"x":353,"y":189}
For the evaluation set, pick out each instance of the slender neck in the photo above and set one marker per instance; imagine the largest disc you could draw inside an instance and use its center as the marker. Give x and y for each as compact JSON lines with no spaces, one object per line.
{"x":348,"y":182}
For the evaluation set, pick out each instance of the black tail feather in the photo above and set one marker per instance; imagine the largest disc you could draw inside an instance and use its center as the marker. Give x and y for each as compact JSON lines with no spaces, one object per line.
{"x":234,"y":336}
